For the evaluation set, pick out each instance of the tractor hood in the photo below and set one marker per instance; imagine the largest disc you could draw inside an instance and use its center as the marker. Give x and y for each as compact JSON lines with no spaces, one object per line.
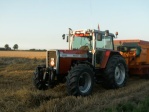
{"x":61,"y":60}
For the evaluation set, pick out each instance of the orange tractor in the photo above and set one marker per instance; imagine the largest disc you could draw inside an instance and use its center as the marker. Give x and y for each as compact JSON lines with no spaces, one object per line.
{"x":91,"y":58}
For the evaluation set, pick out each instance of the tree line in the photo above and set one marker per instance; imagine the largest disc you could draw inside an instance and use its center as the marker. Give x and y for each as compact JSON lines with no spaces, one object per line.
{"x":15,"y":47}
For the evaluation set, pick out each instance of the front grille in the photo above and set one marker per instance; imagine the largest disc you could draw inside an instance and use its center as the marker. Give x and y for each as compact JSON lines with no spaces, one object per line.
{"x":51,"y":54}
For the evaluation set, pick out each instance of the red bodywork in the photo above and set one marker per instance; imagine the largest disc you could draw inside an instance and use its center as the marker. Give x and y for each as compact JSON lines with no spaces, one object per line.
{"x":105,"y":59}
{"x":67,"y":57}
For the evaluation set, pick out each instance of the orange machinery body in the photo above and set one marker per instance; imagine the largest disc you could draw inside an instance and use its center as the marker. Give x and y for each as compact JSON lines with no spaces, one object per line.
{"x":137,"y":64}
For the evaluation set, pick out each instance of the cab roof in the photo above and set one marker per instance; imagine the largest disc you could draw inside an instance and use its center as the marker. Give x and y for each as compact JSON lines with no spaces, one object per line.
{"x":91,"y":31}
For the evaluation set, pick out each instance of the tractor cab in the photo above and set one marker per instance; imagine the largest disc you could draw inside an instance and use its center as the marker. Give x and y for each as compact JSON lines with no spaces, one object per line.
{"x":94,"y":41}
{"x":90,"y":39}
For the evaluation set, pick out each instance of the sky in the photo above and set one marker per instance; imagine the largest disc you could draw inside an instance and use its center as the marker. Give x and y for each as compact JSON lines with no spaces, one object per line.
{"x":40,"y":24}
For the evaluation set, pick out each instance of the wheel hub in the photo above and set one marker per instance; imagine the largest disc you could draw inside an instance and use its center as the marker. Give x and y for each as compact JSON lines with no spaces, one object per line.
{"x":84,"y":82}
{"x":119,"y":74}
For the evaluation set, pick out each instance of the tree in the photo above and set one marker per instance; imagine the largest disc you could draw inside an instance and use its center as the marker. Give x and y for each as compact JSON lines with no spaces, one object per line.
{"x":6,"y":46}
{"x":15,"y":46}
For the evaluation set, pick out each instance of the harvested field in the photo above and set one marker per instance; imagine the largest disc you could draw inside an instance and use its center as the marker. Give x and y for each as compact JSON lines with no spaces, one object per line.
{"x":24,"y":54}
{"x":17,"y":93}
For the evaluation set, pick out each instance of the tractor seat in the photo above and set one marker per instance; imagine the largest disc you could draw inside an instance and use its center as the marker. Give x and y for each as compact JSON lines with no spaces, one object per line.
{"x":84,"y":48}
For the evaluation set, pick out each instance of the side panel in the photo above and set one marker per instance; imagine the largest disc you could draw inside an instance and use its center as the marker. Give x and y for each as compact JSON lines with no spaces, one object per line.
{"x":65,"y":64}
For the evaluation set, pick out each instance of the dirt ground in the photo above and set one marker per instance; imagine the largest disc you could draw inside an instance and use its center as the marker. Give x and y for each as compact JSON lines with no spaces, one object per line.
{"x":17,"y":93}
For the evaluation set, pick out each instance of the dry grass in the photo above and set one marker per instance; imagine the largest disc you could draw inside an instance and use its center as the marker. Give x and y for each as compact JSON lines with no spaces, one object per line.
{"x":18,"y":94}
{"x":24,"y":54}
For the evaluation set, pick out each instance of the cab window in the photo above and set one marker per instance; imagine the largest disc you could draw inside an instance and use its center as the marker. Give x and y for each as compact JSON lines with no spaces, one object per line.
{"x":105,"y":43}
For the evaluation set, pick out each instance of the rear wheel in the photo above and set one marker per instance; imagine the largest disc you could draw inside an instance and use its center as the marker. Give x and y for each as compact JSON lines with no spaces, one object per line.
{"x":80,"y":80}
{"x":116,"y":72}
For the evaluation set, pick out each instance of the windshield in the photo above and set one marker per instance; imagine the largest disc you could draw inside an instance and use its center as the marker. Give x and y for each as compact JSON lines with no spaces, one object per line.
{"x":106,"y":43}
{"x":82,"y":43}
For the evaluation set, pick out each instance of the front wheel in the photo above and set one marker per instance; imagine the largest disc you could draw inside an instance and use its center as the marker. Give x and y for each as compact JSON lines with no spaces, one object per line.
{"x":80,"y":80}
{"x":38,"y":81}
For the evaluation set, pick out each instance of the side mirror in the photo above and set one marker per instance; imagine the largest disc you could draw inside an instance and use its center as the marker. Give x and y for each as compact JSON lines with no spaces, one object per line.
{"x":99,"y":37}
{"x":106,"y":33}
{"x":63,"y":36}
{"x":116,"y":33}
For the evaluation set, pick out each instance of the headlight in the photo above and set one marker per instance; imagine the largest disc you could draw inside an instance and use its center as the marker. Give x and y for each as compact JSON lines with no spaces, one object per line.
{"x":52,"y":62}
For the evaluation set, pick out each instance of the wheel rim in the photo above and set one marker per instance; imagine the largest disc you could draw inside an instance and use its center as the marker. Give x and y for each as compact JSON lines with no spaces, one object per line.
{"x":84,"y":82}
{"x":119,"y":74}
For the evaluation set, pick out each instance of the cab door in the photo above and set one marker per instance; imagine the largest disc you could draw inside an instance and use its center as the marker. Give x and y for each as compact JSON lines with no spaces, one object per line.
{"x":106,"y":43}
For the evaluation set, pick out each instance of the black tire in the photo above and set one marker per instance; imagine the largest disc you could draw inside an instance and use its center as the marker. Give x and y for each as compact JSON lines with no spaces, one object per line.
{"x":116,"y":73}
{"x":38,"y":81}
{"x":52,"y":82}
{"x":80,"y":80}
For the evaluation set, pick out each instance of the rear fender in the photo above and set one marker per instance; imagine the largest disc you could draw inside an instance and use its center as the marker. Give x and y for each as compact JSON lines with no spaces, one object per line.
{"x":107,"y":55}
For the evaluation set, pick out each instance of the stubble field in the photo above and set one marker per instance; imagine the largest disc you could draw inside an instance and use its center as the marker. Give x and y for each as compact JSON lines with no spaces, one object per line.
{"x":24,"y":54}
{"x":17,"y":93}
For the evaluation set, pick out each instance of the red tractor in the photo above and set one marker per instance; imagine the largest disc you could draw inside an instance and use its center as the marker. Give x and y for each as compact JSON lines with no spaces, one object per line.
{"x":91,"y":58}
